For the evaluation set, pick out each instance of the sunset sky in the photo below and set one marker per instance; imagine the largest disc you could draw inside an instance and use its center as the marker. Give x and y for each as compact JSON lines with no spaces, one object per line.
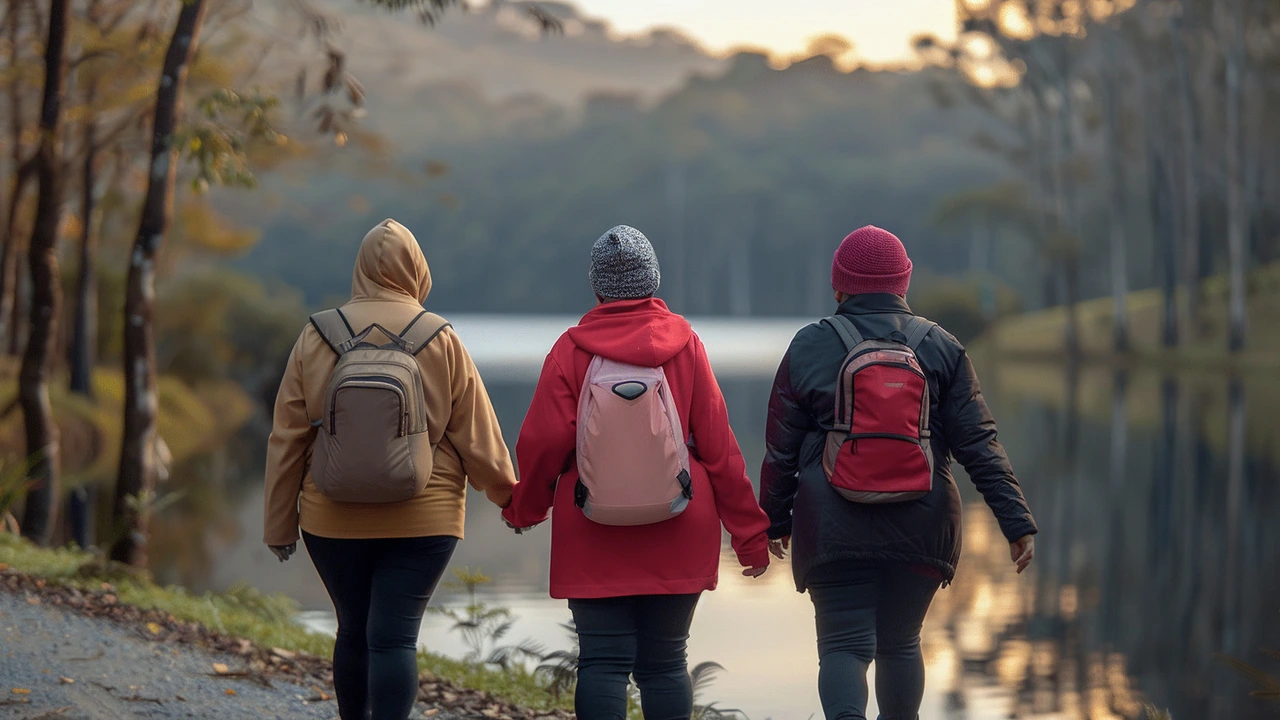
{"x":881,"y":30}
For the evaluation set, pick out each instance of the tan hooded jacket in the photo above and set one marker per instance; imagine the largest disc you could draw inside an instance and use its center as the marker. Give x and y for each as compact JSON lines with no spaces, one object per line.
{"x":391,"y":282}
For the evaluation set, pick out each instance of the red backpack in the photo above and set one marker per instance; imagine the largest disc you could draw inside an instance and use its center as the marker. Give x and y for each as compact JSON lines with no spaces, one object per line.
{"x":878,"y":451}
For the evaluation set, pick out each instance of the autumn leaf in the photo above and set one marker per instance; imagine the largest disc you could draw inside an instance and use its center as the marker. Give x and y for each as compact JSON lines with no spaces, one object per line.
{"x":20,"y":691}
{"x":230,"y":691}
{"x":66,"y":680}
{"x":153,"y":628}
{"x":221,"y":668}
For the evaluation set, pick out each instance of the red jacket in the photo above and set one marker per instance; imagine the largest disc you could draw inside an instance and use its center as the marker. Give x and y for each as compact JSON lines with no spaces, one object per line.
{"x":681,"y":555}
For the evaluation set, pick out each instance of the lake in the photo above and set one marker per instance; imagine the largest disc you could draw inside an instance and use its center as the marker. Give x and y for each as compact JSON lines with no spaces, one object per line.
{"x":1156,"y":498}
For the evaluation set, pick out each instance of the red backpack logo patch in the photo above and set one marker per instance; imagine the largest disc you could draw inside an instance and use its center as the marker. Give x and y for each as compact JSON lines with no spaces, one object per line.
{"x":878,"y":450}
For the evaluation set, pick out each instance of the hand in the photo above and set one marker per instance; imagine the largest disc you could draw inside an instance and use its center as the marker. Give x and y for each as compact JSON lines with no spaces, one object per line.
{"x":284,"y":551}
{"x":755,"y":572}
{"x":1022,"y":551}
{"x":778,"y":548}
{"x":519,"y":530}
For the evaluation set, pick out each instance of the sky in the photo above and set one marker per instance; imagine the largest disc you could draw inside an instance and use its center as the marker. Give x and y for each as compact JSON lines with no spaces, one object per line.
{"x":881,"y":30}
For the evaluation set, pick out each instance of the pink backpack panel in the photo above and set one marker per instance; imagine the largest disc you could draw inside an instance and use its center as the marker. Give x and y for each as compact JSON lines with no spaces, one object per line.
{"x":633,"y":464}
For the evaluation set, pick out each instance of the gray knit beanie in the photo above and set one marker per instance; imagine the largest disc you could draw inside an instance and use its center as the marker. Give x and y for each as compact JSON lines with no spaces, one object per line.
{"x":623,"y":265}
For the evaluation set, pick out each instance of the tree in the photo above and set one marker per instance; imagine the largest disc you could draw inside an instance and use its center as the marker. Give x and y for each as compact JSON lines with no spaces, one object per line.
{"x":1233,"y":48}
{"x":23,"y":169}
{"x":33,"y":384}
{"x":137,"y":457}
{"x":1119,"y":201}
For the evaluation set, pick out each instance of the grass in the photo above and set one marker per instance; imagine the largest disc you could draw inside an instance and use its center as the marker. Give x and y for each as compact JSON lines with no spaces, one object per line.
{"x":1040,"y":335}
{"x":266,"y":620}
{"x":191,"y":421}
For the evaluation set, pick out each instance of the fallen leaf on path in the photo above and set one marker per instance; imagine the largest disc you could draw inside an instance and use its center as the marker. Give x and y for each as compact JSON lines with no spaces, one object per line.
{"x":66,"y":680}
{"x":4,"y":566}
{"x":33,"y":600}
{"x":221,"y":668}
{"x":20,"y":691}
{"x":154,"y":628}
{"x":230,"y":691}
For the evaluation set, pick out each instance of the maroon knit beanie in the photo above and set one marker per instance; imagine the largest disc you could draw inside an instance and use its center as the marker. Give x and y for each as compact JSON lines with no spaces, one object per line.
{"x":871,"y":260}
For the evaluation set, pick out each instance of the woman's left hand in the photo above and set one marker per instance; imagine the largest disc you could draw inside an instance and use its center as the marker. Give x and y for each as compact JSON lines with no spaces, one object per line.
{"x":284,"y":551}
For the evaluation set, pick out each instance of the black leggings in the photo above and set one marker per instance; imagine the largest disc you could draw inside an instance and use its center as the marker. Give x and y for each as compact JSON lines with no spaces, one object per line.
{"x":380,"y":589}
{"x":864,"y":613}
{"x":641,"y":635}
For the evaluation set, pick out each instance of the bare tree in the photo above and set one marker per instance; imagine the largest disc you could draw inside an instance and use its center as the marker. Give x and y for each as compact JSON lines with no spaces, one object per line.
{"x":1118,"y":201}
{"x":33,"y":383}
{"x":1188,"y":121}
{"x":23,"y":173}
{"x":1237,"y":212}
{"x":136,"y":479}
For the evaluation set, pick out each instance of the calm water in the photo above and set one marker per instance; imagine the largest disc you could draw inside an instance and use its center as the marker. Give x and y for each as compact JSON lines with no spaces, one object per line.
{"x":1156,"y":499}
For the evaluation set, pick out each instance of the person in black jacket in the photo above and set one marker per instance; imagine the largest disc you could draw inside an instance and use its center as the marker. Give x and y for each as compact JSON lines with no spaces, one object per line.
{"x":872,"y":570}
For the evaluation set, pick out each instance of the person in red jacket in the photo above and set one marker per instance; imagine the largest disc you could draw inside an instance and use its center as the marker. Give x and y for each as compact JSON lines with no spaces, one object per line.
{"x":633,"y":590}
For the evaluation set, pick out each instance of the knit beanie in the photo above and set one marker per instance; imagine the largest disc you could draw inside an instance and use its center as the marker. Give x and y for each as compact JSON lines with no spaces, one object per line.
{"x":871,"y":260}
{"x":623,"y":265}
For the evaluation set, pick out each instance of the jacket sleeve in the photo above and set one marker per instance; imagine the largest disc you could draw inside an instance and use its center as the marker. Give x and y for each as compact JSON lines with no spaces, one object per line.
{"x":785,"y":430}
{"x":971,"y":433}
{"x":291,"y":439}
{"x":717,"y":450}
{"x":474,"y":432}
{"x":546,"y":445}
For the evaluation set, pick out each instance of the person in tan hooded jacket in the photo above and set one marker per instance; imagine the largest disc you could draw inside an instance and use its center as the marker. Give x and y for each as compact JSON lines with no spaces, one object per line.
{"x":382,"y":561}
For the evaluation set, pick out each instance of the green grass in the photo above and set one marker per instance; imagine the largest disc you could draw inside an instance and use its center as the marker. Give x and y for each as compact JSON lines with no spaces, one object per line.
{"x":1040,"y":335}
{"x":266,"y":620}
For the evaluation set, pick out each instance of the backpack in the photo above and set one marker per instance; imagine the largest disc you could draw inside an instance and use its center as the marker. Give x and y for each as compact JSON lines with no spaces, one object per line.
{"x":372,"y":444}
{"x":878,"y":451}
{"x":633,"y":463}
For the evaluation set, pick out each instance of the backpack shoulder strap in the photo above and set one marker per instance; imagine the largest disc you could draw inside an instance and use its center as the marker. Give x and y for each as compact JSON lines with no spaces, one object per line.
{"x":916,"y":330}
{"x":847,"y":330}
{"x":422,"y":330}
{"x":334,"y":329}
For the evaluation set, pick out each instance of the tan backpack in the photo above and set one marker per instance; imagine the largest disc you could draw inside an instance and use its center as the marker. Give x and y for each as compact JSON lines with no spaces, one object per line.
{"x":372,"y":445}
{"x":633,"y":463}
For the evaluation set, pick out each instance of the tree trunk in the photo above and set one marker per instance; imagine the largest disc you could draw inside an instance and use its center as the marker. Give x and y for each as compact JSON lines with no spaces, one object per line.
{"x":23,"y":171}
{"x":85,"y":323}
{"x":137,"y":455}
{"x":1237,"y":221}
{"x":1190,"y":132}
{"x":41,"y":505}
{"x":1166,"y":247}
{"x":1069,"y":220}
{"x":1119,"y":201}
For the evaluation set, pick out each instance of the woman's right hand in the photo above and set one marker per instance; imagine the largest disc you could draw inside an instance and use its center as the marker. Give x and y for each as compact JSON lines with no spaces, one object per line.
{"x":1022,"y":551}
{"x":778,"y":548}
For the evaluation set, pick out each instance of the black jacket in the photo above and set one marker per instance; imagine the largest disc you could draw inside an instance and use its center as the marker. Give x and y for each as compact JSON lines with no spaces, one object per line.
{"x":825,"y":527}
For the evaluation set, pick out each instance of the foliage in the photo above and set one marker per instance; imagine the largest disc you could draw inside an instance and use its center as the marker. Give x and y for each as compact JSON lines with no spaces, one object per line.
{"x":217,"y":144}
{"x":1267,"y":685}
{"x":479,"y":624}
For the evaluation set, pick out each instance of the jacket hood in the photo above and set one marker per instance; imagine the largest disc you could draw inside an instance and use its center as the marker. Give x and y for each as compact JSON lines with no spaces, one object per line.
{"x":391,"y":266}
{"x":637,"y":332}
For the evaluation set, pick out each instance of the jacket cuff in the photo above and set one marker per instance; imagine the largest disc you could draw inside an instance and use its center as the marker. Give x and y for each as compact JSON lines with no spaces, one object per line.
{"x":754,"y":558}
{"x":777,"y":531}
{"x":1020,"y":528}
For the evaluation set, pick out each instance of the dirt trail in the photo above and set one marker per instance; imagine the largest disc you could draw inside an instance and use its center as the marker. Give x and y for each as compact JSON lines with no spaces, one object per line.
{"x":58,"y":664}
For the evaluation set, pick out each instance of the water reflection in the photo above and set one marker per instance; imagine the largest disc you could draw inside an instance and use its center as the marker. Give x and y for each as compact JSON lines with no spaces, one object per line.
{"x":1156,"y":497}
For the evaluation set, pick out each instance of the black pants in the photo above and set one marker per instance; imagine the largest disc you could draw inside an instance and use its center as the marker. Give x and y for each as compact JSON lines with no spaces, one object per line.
{"x":864,"y":613}
{"x":380,"y":589}
{"x":641,"y":635}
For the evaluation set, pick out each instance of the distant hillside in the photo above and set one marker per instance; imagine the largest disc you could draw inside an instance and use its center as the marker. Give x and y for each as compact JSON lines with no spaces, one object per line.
{"x":745,"y":180}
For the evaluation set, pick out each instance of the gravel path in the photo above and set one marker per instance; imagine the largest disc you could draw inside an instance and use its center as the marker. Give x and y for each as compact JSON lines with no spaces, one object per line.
{"x":114,"y":674}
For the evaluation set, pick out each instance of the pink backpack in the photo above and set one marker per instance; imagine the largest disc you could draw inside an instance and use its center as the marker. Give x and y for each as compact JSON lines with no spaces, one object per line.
{"x":633,"y":464}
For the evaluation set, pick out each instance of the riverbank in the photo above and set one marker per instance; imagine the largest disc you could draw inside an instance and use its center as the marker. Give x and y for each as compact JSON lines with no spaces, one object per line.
{"x":1040,"y":336}
{"x":187,"y":651}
